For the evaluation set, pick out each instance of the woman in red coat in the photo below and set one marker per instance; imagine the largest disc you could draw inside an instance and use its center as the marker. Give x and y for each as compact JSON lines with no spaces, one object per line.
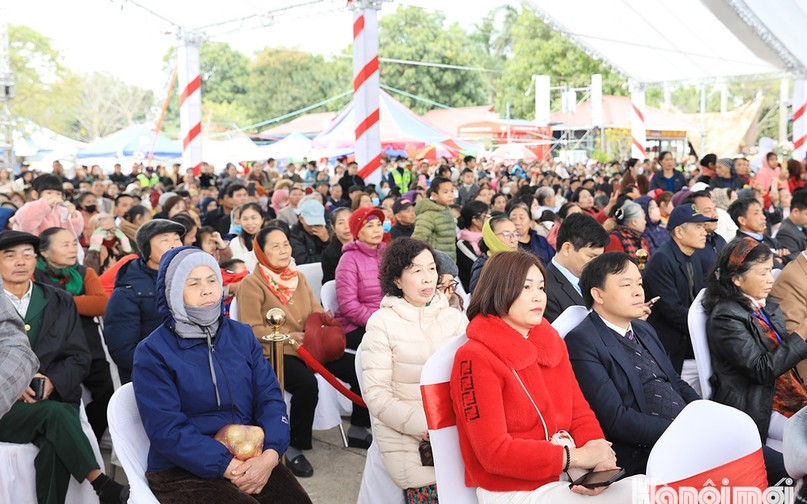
{"x":514,"y":366}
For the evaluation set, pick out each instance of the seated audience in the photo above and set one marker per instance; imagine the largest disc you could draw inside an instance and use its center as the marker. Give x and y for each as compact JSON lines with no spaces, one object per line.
{"x":498,"y":235}
{"x":654,"y":233}
{"x":341,"y":236}
{"x":750,"y":218}
{"x":252,"y":220}
{"x":472,"y":218}
{"x":628,"y":235}
{"x":791,"y":233}
{"x":714,"y":242}
{"x":309,"y":236}
{"x":528,"y":239}
{"x":50,"y":210}
{"x":404,"y":212}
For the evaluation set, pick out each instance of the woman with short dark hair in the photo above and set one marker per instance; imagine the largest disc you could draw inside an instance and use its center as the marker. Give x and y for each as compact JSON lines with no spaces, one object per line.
{"x":514,"y":391}
{"x":414,"y":321}
{"x":753,"y":355}
{"x":472,"y":217}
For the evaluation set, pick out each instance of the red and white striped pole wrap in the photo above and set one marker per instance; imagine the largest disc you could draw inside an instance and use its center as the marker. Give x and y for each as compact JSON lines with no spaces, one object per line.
{"x":190,"y":99}
{"x":799,"y":119}
{"x":366,"y":89}
{"x":638,"y":128}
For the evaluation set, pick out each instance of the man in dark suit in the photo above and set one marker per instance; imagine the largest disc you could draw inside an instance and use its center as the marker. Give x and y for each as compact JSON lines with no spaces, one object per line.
{"x":791,"y":233}
{"x":749,"y":215}
{"x":580,"y":239}
{"x":675,"y":276}
{"x":623,"y":371}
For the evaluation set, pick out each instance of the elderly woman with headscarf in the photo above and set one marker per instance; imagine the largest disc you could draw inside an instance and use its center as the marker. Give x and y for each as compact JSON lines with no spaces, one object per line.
{"x":498,"y":235}
{"x":194,"y":375}
{"x":655,"y":235}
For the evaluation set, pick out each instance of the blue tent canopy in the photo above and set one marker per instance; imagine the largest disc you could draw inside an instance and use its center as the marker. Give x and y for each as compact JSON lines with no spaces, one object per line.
{"x":134,"y":141}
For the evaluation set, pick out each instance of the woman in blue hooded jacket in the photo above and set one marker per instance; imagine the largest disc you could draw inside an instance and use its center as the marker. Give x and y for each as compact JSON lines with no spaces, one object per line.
{"x":196,"y":373}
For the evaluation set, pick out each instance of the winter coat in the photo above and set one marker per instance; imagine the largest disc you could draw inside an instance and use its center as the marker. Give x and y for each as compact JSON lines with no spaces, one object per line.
{"x":176,"y":395}
{"x":131,"y":314}
{"x":255,"y":299}
{"x":37,"y":216}
{"x":358,"y":289}
{"x":435,"y":225}
{"x":305,"y":247}
{"x":400,"y":338}
{"x":745,"y":366}
{"x":539,"y":246}
{"x":502,"y":440}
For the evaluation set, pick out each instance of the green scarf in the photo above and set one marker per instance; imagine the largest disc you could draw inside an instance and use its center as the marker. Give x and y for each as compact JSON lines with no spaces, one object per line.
{"x":69,"y":278}
{"x":492,"y":241}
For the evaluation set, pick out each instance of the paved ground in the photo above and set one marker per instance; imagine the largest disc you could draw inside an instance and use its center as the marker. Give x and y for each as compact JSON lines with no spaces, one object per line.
{"x":337,"y":470}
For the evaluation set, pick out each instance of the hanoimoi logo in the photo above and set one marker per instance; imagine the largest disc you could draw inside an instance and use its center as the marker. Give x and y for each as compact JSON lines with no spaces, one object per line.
{"x":711,"y":493}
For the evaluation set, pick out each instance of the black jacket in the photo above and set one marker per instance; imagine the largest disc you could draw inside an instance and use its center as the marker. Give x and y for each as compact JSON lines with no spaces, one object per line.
{"x":61,"y":345}
{"x":305,"y":248}
{"x":778,"y":262}
{"x":218,"y":221}
{"x":330,"y":259}
{"x":560,"y":293}
{"x":399,"y":230}
{"x":466,"y":257}
{"x":708,"y":254}
{"x":665,"y":276}
{"x":791,"y":238}
{"x":745,"y":366}
{"x":613,"y":389}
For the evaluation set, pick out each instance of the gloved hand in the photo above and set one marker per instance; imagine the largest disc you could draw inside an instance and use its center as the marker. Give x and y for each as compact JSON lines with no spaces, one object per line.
{"x":125,"y":244}
{"x":97,"y":239}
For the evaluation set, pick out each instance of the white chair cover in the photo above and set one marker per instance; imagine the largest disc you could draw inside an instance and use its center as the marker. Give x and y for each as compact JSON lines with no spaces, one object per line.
{"x":569,"y":319}
{"x":328,"y":296}
{"x":696,"y":320}
{"x":331,"y":405}
{"x":313,"y":274}
{"x":18,"y":479}
{"x":795,"y":442}
{"x":131,"y":443}
{"x":234,"y":309}
{"x":448,"y":465}
{"x":376,"y":485}
{"x":705,"y":435}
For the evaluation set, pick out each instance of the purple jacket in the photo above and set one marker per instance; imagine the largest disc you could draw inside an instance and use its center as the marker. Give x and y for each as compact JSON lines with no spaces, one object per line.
{"x":358,"y":289}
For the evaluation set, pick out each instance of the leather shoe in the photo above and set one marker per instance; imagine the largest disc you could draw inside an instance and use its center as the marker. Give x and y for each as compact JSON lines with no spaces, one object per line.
{"x":300,"y":466}
{"x":362,"y":443}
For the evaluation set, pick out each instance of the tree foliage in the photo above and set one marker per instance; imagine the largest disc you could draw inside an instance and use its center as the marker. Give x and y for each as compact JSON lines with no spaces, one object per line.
{"x":107,"y":104}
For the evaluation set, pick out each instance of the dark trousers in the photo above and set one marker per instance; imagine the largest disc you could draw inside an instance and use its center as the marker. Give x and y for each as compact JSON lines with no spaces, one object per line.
{"x":354,"y":337}
{"x":178,"y":486}
{"x":54,"y":427}
{"x":302,"y":385}
{"x":99,"y":383}
{"x":775,"y":465}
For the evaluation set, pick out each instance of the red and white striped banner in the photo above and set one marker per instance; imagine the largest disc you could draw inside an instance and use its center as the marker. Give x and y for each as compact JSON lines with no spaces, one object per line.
{"x":366,"y":91}
{"x":799,"y":119}
{"x":638,"y":128}
{"x":190,"y":101}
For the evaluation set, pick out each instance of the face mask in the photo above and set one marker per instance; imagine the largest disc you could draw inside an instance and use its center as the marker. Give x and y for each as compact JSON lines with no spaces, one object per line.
{"x":456,"y":194}
{"x":401,"y":165}
{"x":387,"y":226}
{"x":536,"y":213}
{"x":236,"y":228}
{"x":375,"y":201}
{"x":505,"y":190}
{"x":640,"y":170}
{"x":384,"y":191}
{"x":90,"y":208}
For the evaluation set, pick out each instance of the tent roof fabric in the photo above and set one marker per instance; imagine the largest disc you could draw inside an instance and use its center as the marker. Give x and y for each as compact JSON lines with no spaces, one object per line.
{"x":400,"y":128}
{"x":307,"y":124}
{"x":135,"y":140}
{"x":616,"y":113}
{"x":450,"y":120}
{"x":682,"y":40}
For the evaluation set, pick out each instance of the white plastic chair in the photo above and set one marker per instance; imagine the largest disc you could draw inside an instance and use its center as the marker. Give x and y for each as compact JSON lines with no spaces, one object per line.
{"x":313,"y":273}
{"x":328,"y":296}
{"x":707,"y":441}
{"x":18,"y":478}
{"x":448,"y":465}
{"x":376,"y":484}
{"x":331,"y":407}
{"x":131,"y":443}
{"x":696,"y":320}
{"x":569,"y":319}
{"x":234,"y":309}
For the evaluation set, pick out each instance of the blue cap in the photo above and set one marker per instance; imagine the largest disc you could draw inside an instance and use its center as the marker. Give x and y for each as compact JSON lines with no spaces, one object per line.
{"x":686,"y":213}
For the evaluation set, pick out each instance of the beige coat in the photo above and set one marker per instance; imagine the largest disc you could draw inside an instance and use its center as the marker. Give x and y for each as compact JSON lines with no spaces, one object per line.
{"x":255,"y":299}
{"x":790,"y":290}
{"x":399,"y":339}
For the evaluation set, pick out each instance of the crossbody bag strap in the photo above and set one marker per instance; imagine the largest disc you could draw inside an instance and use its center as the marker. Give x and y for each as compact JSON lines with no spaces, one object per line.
{"x":546,"y":432}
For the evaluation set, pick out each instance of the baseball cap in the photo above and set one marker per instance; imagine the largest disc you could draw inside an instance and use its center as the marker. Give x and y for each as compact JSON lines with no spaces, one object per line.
{"x":313,"y":212}
{"x":400,"y":205}
{"x":686,"y":213}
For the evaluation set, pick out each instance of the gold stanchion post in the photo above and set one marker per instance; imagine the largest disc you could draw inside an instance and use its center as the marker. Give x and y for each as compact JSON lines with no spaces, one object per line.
{"x":641,"y":258}
{"x":277,"y":319}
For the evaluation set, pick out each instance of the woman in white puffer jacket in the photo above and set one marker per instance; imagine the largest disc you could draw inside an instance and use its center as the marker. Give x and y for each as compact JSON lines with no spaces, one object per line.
{"x":414,"y":321}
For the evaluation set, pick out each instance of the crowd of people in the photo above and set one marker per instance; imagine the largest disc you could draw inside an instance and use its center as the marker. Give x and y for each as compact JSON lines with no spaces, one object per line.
{"x":141,"y":269}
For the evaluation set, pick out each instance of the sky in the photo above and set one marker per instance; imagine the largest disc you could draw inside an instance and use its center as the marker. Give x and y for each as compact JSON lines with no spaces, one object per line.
{"x":119,"y":37}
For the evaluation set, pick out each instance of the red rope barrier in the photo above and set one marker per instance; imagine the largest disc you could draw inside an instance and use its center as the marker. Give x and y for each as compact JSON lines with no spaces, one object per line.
{"x":329,"y":377}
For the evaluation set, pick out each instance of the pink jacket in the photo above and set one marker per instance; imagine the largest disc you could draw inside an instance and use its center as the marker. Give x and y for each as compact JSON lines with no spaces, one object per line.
{"x":37,"y":216}
{"x":358,"y":289}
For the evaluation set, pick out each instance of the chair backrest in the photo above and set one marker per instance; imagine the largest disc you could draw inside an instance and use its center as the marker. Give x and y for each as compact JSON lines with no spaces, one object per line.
{"x":130,"y":442}
{"x":234,"y":309}
{"x":795,"y":445}
{"x":696,"y":320}
{"x":448,"y":465}
{"x":569,"y":319}
{"x":708,"y":441}
{"x":328,"y":296}
{"x":313,"y":274}
{"x":776,"y":273}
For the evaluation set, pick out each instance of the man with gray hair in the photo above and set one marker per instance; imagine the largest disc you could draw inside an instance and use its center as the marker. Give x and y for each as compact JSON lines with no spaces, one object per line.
{"x":546,"y":199}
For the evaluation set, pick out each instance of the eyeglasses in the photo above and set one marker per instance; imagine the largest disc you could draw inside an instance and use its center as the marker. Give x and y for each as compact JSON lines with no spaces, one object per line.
{"x":507,"y":235}
{"x":448,"y":287}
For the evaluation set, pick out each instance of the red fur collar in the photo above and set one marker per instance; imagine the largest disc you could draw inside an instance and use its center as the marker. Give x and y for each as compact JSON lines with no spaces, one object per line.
{"x":543,"y":345}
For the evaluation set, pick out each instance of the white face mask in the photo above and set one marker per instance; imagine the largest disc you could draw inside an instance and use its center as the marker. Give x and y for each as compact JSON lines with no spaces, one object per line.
{"x":536,"y":213}
{"x":506,"y":190}
{"x":384,"y":191}
{"x":640,"y":170}
{"x":456,"y":194}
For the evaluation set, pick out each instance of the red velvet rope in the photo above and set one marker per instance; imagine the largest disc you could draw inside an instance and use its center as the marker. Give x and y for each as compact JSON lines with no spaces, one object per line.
{"x":329,"y":377}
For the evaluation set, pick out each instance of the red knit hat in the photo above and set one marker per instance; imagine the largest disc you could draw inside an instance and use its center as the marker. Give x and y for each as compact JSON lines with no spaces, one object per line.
{"x":360,"y":216}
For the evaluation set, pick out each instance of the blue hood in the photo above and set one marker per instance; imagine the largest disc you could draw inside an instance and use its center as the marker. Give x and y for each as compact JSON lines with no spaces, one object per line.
{"x":162,"y":302}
